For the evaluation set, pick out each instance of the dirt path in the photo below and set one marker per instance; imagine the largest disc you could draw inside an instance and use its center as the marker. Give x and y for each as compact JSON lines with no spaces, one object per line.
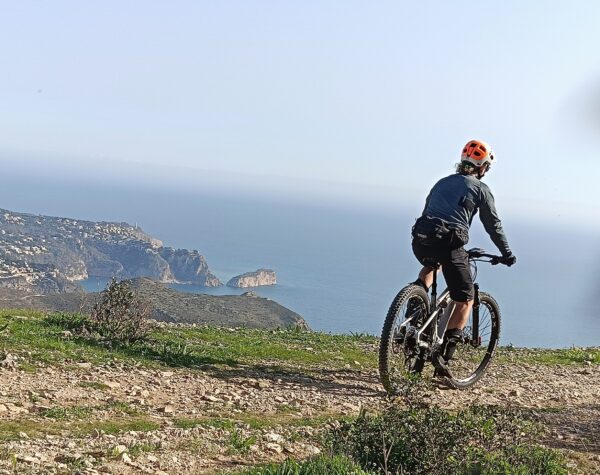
{"x":122,"y":419}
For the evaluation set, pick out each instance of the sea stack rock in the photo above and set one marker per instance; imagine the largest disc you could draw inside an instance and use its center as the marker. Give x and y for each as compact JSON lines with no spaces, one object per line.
{"x":253,"y":279}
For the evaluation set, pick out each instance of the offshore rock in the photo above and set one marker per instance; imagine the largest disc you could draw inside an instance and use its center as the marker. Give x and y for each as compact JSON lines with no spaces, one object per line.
{"x":47,"y":254}
{"x":253,"y":279}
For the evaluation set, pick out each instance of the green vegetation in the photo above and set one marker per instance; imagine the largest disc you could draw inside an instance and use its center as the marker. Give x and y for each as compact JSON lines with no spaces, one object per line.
{"x":93,"y":385}
{"x":549,"y":357}
{"x":83,"y":412}
{"x":477,"y":440}
{"x":239,"y":443}
{"x":45,"y":339}
{"x":140,"y":448}
{"x":259,"y":421}
{"x":133,"y":424}
{"x":63,"y":413}
{"x":413,"y":439}
{"x":53,"y":425}
{"x":120,"y":316}
{"x":433,"y":441}
{"x":318,"y":466}
{"x":11,"y":429}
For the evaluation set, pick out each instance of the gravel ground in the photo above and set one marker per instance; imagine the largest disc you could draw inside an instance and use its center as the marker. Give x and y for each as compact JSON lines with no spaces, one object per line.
{"x":57,"y":420}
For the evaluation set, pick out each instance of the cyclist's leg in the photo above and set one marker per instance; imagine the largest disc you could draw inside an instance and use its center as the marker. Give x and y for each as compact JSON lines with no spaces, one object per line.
{"x":460,"y":314}
{"x":457,"y":274}
{"x":425,"y":278}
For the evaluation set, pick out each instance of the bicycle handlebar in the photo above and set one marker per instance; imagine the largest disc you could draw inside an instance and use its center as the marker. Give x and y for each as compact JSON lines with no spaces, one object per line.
{"x":478,"y":253}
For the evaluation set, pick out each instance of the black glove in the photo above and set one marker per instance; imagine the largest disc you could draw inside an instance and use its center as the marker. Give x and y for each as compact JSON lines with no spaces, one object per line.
{"x":508,"y":260}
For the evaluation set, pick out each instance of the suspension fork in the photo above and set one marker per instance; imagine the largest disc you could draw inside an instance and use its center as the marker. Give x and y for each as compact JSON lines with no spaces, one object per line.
{"x":475,"y":338}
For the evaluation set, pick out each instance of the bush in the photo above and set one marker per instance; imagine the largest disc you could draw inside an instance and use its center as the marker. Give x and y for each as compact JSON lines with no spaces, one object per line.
{"x":321,"y":465}
{"x":475,"y":440}
{"x":120,"y":316}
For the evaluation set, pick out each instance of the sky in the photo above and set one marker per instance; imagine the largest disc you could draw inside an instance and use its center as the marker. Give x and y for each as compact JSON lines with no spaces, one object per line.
{"x":345,"y":101}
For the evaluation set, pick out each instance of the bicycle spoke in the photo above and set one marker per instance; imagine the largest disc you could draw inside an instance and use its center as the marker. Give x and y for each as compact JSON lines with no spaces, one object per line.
{"x":403,"y":355}
{"x":469,"y":356}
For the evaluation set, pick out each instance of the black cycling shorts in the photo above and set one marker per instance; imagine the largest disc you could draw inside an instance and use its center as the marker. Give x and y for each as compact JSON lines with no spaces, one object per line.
{"x":455,"y":267}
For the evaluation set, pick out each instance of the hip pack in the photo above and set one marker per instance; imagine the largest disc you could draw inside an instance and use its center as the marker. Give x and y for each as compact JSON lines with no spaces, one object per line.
{"x":430,"y":231}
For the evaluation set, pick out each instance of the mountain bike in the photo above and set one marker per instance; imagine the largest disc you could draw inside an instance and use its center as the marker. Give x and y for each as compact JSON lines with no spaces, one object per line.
{"x":414,"y":331}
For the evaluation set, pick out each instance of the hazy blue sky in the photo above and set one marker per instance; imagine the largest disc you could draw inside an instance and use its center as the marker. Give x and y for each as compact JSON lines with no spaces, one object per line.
{"x":341,"y":99}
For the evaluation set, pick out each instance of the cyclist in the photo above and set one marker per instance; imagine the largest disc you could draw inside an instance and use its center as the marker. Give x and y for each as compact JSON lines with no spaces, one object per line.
{"x":442,"y":231}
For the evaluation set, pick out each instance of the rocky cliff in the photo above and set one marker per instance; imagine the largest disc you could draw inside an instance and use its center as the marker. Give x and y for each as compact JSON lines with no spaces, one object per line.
{"x":253,"y":279}
{"x":49,"y":254}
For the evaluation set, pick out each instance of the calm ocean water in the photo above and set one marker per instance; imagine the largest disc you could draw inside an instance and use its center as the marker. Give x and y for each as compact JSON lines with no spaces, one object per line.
{"x":340,"y":268}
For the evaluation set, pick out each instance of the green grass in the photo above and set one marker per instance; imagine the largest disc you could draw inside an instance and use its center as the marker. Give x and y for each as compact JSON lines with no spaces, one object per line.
{"x":321,"y":465}
{"x":59,"y":423}
{"x":64,"y":413}
{"x":10,"y":430}
{"x":93,"y":385}
{"x":142,"y":448}
{"x":30,"y":331}
{"x":260,"y":421}
{"x":84,"y":412}
{"x":240,"y":443}
{"x":567,"y":356}
{"x":135,"y":424}
{"x":288,"y":346}
{"x":39,"y":339}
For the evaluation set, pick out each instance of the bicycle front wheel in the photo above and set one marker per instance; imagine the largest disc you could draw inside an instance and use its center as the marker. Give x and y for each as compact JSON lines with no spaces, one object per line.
{"x":399,"y":354}
{"x":473,"y":356}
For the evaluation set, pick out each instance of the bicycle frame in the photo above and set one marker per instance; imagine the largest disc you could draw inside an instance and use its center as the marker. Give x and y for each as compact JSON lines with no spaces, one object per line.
{"x":438,"y":305}
{"x":416,"y":323}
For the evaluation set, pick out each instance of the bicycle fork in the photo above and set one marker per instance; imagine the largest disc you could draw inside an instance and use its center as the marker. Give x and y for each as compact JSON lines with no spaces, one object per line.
{"x":475,"y":337}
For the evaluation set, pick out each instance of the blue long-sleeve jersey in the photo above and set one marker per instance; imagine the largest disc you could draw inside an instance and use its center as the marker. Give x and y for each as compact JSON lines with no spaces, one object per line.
{"x":457,"y":198}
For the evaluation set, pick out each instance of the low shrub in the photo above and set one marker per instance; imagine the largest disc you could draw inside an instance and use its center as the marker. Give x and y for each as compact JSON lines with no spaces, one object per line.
{"x":321,"y":465}
{"x":476,"y":440}
{"x":119,"y":316}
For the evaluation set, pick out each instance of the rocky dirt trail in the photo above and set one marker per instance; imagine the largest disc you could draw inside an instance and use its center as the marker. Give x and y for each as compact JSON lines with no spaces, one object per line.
{"x":121,"y":419}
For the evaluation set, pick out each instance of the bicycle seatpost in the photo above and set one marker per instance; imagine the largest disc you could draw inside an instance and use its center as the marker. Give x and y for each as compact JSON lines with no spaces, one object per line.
{"x":434,"y":291}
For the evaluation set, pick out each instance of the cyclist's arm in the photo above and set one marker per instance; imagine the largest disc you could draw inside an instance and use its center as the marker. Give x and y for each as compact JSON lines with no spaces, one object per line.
{"x":426,"y":203}
{"x":491,"y":221}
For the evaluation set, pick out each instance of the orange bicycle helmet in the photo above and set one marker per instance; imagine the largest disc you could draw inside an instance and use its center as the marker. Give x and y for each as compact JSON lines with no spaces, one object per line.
{"x":478,"y":153}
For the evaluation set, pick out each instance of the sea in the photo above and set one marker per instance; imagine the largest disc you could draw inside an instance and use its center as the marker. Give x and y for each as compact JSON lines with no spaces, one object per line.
{"x":340,"y":266}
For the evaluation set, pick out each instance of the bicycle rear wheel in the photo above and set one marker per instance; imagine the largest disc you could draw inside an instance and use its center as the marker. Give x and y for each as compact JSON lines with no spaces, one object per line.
{"x":473,"y":356}
{"x":399,"y":354}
